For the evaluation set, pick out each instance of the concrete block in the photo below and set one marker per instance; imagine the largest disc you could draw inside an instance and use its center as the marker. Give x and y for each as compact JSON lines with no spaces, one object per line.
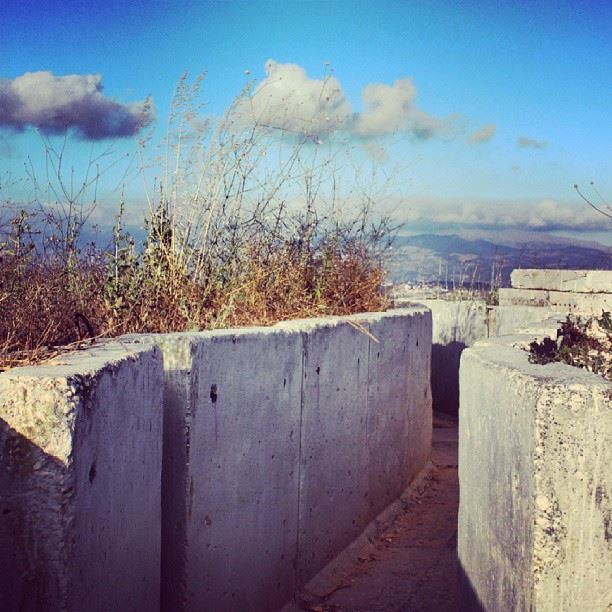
{"x":564,"y":301}
{"x":242,"y":479}
{"x":290,"y":440}
{"x":80,"y":481}
{"x":583,"y":281}
{"x":535,"y":446}
{"x":334,"y":479}
{"x":524,"y":297}
{"x":507,"y":320}
{"x":177,"y":352}
{"x":581,"y":303}
{"x":366,"y":426}
{"x":458,"y":324}
{"x":463,"y":321}
{"x":399,"y":405}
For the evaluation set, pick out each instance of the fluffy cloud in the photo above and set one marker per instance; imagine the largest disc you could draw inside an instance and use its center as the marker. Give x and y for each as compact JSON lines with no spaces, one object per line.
{"x":388,"y":109}
{"x":288,"y":99}
{"x":56,"y":104}
{"x":527,"y":142}
{"x":484,"y":134}
{"x":545,"y":215}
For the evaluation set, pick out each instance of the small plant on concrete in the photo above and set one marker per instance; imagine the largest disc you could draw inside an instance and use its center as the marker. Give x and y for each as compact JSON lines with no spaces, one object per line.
{"x":581,"y":343}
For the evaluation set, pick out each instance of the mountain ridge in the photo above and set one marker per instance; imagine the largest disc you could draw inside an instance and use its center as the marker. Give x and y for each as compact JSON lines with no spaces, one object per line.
{"x":433,"y":258}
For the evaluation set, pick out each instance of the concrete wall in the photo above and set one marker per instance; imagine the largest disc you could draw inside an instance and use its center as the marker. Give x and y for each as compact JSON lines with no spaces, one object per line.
{"x":459,"y":324}
{"x":567,"y":301}
{"x":280,"y":445}
{"x":582,"y":281}
{"x":282,"y":466}
{"x":80,"y":465}
{"x":535,"y":449}
{"x":535,"y":295}
{"x":580,"y":291}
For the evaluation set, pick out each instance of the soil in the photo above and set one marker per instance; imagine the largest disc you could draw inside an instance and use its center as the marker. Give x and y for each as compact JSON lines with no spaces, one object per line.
{"x":413,"y":565}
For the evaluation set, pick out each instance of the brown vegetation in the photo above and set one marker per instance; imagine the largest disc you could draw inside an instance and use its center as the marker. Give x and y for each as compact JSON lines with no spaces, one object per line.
{"x":48,"y":303}
{"x":223,"y":247}
{"x":582,"y":343}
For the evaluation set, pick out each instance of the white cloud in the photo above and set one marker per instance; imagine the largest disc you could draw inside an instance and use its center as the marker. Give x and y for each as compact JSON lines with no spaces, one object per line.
{"x":288,"y":99}
{"x":545,"y":215}
{"x":56,"y":104}
{"x":388,"y":109}
{"x":484,"y":134}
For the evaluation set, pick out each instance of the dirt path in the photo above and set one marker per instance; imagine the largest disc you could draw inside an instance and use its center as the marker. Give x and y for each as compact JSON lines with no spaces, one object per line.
{"x":413,"y":566}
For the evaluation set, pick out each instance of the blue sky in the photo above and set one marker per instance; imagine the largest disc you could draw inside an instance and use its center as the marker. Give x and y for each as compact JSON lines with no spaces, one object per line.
{"x":534,"y":77}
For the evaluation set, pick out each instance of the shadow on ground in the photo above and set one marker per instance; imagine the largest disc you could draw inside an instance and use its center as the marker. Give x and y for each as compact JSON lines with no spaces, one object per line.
{"x":413,"y":566}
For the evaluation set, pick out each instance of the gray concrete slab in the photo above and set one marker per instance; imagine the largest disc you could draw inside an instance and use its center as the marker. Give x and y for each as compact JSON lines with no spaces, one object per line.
{"x":241,"y":526}
{"x":312,"y":426}
{"x":317,"y":441}
{"x":80,"y":481}
{"x":334,"y":479}
{"x":535,"y":446}
{"x":583,"y":281}
{"x":564,"y":301}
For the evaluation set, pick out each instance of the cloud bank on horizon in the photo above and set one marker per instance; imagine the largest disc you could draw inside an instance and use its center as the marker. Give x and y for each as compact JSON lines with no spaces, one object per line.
{"x":288,"y":99}
{"x":58,"y":104}
{"x":543,"y":216}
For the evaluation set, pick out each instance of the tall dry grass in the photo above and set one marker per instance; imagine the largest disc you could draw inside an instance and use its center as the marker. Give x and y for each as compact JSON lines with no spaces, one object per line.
{"x":242,"y":229}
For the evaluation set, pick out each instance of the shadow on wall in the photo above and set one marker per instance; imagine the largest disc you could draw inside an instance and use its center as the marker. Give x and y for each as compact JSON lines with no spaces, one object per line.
{"x":445,"y":360}
{"x":468,"y":598}
{"x":28,"y":489}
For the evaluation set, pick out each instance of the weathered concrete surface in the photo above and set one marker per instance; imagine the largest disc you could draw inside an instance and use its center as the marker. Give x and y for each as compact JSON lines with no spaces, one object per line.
{"x":457,"y":325}
{"x":280,"y":445}
{"x":80,"y":466}
{"x":371,"y":399}
{"x":177,"y":351}
{"x":583,"y":281}
{"x":243,"y":471}
{"x":410,"y":563}
{"x":464,"y":321}
{"x":334,"y":483}
{"x":308,"y":427}
{"x":535,"y":446}
{"x":565,"y":301}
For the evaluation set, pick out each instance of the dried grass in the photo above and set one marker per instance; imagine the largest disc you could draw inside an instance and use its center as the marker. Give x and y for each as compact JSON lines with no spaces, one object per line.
{"x":223,"y":247}
{"x":47,"y":308}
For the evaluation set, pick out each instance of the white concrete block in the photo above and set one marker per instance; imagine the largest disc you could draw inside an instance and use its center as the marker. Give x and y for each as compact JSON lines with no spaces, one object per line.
{"x":241,"y":525}
{"x":583,"y":281}
{"x":309,"y":427}
{"x":564,"y":301}
{"x":535,"y":446}
{"x":462,"y":321}
{"x":581,"y":303}
{"x":334,"y":484}
{"x":458,"y":324}
{"x":312,"y":426}
{"x":80,"y":481}
{"x":523,"y":297}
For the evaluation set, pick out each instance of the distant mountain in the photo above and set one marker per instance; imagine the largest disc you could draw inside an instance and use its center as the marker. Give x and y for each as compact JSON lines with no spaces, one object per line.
{"x":450,"y":259}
